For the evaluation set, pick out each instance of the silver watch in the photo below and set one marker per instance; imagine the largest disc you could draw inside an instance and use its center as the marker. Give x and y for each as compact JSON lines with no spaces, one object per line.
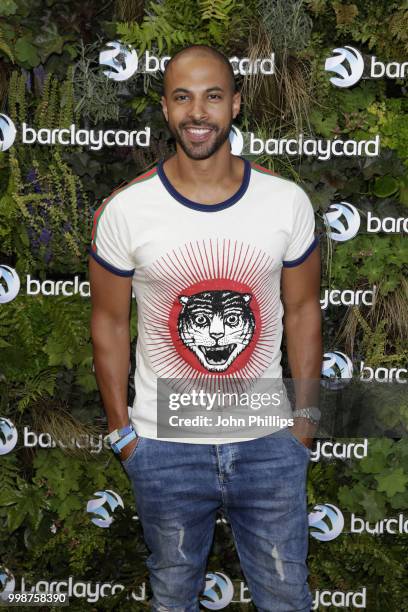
{"x":312,"y":413}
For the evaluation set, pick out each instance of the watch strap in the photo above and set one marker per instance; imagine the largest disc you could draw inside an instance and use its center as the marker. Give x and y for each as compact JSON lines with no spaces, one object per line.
{"x":311,"y":413}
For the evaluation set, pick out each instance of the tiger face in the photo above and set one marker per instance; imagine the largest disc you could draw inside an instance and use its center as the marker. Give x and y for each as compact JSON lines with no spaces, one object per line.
{"x":216,"y":326}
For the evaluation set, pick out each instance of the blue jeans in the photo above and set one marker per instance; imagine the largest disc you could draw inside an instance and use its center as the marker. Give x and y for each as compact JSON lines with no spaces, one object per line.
{"x":260,"y":486}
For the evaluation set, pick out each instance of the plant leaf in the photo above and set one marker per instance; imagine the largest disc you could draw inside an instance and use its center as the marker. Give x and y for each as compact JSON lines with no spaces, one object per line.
{"x":26,"y":53}
{"x":393,"y":482}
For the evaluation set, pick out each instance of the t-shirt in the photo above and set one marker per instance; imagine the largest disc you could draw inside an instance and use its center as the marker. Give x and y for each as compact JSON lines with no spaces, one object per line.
{"x":206,"y":279}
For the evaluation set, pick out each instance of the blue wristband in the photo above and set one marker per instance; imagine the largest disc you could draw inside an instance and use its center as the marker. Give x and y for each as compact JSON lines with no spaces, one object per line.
{"x":117,"y":446}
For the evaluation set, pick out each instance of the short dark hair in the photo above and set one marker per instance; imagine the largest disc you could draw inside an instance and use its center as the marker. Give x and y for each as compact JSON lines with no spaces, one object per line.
{"x":211,"y":51}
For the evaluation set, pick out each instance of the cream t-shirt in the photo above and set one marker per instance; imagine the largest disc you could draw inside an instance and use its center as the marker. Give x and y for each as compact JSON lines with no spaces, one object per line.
{"x":206,"y":279}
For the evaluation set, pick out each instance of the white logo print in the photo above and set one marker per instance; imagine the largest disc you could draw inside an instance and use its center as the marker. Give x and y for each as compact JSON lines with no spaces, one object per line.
{"x":112,"y":499}
{"x":237,"y":141}
{"x":219,"y":597}
{"x":8,"y":436}
{"x":344,"y":220}
{"x":337,"y":369}
{"x":9,"y":284}
{"x":7,"y":583}
{"x":327,"y":522}
{"x":122,"y":59}
{"x":7,"y":132}
{"x":347,"y":57}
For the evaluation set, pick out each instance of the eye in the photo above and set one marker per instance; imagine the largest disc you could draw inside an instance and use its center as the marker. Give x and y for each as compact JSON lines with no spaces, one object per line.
{"x":200,"y":319}
{"x":181,"y":97}
{"x":232,"y":319}
{"x":215,"y":96}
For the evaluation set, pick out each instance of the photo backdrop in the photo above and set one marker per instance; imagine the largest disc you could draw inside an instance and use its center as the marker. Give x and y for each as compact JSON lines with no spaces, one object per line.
{"x":324,"y":104}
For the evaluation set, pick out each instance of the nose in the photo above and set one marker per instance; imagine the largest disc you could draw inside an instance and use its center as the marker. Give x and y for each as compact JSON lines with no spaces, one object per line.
{"x":197,"y":110}
{"x":217,"y":328}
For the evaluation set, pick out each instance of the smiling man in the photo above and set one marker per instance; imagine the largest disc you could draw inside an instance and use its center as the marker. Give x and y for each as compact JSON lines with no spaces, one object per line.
{"x":218,"y":251}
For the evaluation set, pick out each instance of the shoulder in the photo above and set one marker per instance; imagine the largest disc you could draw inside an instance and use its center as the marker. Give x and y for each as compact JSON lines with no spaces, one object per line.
{"x":272,"y":180}
{"x":123,"y":196}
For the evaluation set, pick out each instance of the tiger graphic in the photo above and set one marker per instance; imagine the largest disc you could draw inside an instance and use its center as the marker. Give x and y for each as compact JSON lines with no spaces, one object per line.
{"x":216,"y":326}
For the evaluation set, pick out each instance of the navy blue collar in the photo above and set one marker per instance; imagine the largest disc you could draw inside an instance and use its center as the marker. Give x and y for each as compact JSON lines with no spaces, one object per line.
{"x":206,"y":207}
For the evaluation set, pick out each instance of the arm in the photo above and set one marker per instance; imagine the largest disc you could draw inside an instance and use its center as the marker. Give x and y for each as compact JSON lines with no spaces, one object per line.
{"x":302,"y":324}
{"x":110,"y":331}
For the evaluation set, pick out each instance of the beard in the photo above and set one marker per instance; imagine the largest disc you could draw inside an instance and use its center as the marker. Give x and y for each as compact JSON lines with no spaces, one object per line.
{"x":200,"y":150}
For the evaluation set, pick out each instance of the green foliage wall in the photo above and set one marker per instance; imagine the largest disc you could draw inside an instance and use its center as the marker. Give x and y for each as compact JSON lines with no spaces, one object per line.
{"x":49,"y":76}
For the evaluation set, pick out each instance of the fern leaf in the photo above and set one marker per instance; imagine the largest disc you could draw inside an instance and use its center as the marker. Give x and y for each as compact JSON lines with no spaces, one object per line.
{"x":4,"y":47}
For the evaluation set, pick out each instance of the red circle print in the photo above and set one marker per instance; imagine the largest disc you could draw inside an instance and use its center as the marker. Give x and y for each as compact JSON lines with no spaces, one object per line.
{"x":198,"y":347}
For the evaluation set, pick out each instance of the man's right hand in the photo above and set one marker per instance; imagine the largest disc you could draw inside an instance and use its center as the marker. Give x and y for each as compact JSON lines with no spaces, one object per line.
{"x":128,"y":449}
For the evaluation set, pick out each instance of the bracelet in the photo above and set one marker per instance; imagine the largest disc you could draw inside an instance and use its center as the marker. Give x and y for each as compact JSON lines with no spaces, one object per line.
{"x":312,"y":413}
{"x":117,"y":446}
{"x":118,"y":438}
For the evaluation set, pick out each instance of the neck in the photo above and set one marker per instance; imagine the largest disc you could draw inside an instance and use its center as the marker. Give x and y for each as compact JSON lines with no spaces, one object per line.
{"x":205,"y":172}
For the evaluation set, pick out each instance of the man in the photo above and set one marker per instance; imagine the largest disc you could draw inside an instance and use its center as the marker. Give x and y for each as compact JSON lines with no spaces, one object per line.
{"x":205,"y":238}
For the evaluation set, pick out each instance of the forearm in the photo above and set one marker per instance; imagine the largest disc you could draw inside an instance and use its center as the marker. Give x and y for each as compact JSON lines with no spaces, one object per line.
{"x":111,"y":350}
{"x":304,"y":347}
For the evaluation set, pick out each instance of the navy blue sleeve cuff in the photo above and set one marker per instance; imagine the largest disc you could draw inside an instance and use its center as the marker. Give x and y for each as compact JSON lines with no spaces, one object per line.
{"x":109,"y":266}
{"x":301,"y":259}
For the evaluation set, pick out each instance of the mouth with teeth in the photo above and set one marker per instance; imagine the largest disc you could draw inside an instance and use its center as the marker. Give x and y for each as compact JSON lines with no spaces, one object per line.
{"x":217,"y":355}
{"x":198,"y":134}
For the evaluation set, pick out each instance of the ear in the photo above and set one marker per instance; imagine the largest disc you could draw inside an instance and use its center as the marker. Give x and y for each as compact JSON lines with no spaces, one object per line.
{"x":183,"y":299}
{"x":236,"y":104}
{"x":247,"y":297}
{"x":164,"y":108}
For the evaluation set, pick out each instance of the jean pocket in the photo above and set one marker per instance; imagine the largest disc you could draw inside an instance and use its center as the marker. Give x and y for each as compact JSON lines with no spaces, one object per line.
{"x":126,"y":462}
{"x":300,"y":444}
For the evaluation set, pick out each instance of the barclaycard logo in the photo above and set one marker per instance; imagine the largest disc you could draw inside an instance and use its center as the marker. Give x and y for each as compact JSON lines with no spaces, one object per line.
{"x":343,"y":219}
{"x":326,"y":522}
{"x":236,"y":139}
{"x":9,"y":284}
{"x":96,"y":506}
{"x":337,"y":372}
{"x":322,"y":149}
{"x":8,"y":436}
{"x":218,"y":591}
{"x":343,"y":222}
{"x":72,"y":136}
{"x":122,"y":60}
{"x":337,"y":369}
{"x":348,"y":64}
{"x":7,"y":132}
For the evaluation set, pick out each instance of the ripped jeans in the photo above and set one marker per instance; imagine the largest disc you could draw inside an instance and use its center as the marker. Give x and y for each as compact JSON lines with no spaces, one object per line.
{"x":260,"y":485}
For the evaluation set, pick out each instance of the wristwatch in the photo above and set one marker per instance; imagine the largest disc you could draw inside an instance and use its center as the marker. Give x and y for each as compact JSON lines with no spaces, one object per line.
{"x":312,"y":413}
{"x":118,"y":438}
